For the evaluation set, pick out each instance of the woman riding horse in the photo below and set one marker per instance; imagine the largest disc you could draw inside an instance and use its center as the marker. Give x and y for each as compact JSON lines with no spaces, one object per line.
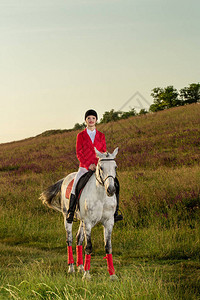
{"x":85,"y":143}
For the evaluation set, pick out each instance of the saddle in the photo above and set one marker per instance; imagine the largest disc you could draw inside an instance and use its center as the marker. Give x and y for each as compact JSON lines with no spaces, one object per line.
{"x":80,"y":184}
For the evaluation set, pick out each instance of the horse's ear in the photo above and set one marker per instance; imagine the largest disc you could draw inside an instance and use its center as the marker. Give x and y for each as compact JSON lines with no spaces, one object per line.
{"x":98,"y":154}
{"x":115,"y":152}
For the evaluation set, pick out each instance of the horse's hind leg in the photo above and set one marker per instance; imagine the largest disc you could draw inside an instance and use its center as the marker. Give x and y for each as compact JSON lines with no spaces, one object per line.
{"x":79,"y":242}
{"x":68,"y":228}
{"x":108,"y":227}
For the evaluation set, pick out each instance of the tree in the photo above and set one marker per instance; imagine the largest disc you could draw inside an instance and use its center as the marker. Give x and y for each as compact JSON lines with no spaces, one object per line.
{"x":109,"y":116}
{"x":164,"y":98}
{"x":126,"y":115}
{"x":143,"y":111}
{"x":190,"y":94}
{"x":78,"y":126}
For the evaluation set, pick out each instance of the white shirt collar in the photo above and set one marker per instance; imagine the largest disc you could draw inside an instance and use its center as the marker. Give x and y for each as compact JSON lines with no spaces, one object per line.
{"x":91,"y":131}
{"x":91,"y":134}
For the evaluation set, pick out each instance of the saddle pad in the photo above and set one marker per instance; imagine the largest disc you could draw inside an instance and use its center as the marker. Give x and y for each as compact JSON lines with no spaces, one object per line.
{"x":69,"y":188}
{"x":80,"y":184}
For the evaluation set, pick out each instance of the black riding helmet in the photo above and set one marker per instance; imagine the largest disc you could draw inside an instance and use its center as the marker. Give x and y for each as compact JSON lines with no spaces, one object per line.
{"x":91,"y":112}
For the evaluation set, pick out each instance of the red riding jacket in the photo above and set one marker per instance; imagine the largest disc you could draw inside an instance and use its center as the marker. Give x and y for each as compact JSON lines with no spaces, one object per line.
{"x":85,"y":148}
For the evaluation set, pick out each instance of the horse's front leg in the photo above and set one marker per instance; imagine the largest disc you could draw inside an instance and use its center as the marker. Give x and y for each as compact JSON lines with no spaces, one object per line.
{"x":69,"y":240}
{"x":108,"y":227}
{"x":79,"y":242}
{"x":88,"y":250}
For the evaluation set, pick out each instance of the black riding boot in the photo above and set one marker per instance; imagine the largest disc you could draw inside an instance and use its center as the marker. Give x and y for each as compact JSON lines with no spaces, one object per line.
{"x":72,"y":207}
{"x":116,"y":216}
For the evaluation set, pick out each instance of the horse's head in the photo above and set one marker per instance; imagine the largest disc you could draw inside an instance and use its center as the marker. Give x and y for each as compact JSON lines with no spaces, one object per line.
{"x":106,"y":170}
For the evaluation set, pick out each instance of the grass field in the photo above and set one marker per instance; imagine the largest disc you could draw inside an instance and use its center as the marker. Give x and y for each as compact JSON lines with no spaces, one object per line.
{"x":155,"y":249}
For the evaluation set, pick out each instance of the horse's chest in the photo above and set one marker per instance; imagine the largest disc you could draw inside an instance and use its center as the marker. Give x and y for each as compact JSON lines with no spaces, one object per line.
{"x":94,"y":208}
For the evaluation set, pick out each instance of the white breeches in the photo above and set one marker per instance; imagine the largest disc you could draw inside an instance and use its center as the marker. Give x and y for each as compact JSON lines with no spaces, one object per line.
{"x":81,"y":171}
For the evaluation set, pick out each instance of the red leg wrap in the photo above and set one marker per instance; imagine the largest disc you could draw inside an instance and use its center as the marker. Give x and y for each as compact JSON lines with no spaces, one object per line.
{"x":87,"y":262}
{"x":70,"y":255}
{"x":79,"y":255}
{"x":111,"y":269}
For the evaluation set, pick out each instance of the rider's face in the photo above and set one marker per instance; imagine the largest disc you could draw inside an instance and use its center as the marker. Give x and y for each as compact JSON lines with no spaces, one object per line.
{"x":91,"y":121}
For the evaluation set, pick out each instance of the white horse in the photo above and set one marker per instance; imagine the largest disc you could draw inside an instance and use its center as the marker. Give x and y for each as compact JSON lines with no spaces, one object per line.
{"x":97,"y":203}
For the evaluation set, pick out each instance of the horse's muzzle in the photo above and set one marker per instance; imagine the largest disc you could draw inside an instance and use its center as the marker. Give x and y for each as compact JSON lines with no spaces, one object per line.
{"x":110,"y":190}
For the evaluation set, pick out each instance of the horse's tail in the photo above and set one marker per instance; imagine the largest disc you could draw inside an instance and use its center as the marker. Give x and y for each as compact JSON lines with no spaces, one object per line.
{"x":51,"y":196}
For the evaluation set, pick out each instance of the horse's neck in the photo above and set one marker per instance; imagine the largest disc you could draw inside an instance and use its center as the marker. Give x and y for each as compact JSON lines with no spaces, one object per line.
{"x":100,"y":189}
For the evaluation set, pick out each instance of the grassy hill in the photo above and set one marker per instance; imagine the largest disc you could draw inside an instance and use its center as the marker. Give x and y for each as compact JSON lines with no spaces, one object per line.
{"x":168,"y":138}
{"x":155,"y":249}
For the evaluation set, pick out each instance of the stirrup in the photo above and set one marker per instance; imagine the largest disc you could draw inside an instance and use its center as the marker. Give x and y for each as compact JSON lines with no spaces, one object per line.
{"x":118,"y":217}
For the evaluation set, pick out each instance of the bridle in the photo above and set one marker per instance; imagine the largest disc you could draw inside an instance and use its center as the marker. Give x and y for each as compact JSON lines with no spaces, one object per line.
{"x":102,"y":182}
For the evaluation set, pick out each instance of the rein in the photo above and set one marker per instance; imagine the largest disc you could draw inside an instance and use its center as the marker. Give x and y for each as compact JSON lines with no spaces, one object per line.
{"x":102,"y":182}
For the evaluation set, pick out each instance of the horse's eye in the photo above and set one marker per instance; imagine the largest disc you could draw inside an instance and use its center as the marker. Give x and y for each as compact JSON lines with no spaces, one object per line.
{"x":101,"y":168}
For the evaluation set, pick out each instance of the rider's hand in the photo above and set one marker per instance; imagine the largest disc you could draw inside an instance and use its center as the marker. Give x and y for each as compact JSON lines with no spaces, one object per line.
{"x":92,"y":167}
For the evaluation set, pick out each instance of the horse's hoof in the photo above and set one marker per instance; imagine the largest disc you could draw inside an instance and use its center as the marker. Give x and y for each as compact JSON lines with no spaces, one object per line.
{"x":71,"y":269}
{"x":81,"y":269}
{"x":113,"y":277}
{"x":86,"y":276}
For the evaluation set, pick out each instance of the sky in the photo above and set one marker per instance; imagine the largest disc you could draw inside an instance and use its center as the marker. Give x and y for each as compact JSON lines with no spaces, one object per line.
{"x":59,"y":58}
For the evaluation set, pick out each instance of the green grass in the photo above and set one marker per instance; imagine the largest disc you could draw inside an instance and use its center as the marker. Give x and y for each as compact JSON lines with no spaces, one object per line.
{"x":155,"y":249}
{"x":149,"y":266}
{"x":47,"y":279}
{"x":158,"y":261}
